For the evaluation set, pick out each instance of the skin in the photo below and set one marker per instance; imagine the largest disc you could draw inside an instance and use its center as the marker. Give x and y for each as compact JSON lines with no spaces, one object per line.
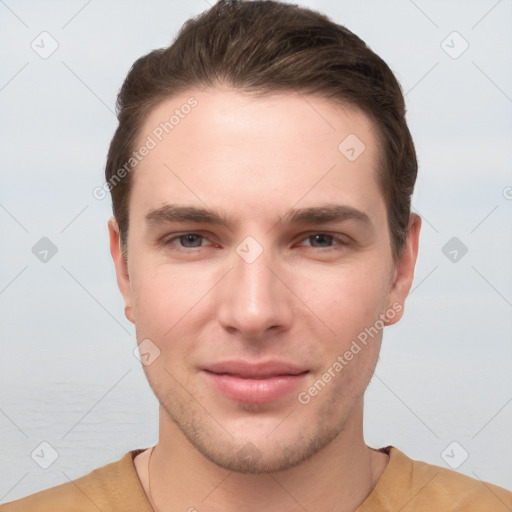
{"x":303,"y":300}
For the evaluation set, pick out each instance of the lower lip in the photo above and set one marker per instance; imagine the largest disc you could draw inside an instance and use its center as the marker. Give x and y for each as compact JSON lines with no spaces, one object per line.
{"x":256,"y":391}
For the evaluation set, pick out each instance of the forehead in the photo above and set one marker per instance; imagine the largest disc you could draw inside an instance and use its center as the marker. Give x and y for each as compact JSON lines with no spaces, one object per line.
{"x":250,"y":153}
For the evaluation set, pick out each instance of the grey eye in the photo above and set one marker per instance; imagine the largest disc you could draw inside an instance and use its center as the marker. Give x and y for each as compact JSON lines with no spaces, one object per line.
{"x":192,"y":238}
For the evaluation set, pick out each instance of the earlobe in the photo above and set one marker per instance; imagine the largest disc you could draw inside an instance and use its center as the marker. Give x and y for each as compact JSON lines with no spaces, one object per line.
{"x":121,"y":266}
{"x":404,"y":270}
{"x":128,"y":312}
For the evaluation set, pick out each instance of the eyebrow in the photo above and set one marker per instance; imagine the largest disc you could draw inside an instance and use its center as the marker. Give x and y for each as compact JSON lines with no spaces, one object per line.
{"x":301,"y":216}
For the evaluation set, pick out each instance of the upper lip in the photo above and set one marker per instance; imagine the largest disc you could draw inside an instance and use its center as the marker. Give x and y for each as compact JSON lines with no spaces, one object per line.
{"x":271,"y":368}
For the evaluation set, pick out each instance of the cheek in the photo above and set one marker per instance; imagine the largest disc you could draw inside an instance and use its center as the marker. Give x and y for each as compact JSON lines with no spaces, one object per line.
{"x":165,"y":304}
{"x":347,"y":300}
{"x":161,"y":299}
{"x":170,"y":305}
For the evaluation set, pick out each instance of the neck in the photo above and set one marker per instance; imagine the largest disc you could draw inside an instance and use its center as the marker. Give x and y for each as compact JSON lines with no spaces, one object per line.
{"x":337,"y":478}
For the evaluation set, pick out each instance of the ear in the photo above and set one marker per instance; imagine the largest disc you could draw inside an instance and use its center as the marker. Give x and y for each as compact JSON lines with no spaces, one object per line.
{"x":121,"y":264}
{"x":404,"y":270}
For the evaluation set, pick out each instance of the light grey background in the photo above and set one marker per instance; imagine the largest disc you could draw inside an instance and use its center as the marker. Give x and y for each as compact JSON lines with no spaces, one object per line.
{"x":68,"y":374}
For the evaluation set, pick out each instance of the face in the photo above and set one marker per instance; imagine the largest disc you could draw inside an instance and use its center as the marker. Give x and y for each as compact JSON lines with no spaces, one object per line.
{"x":260,"y":270}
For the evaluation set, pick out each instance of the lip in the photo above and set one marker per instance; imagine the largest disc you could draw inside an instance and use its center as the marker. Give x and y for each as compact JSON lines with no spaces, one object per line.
{"x":254,"y":382}
{"x":261,"y":369}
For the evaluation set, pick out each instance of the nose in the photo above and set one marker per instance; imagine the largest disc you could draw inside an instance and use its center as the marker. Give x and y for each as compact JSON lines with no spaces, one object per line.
{"x":254,"y":298}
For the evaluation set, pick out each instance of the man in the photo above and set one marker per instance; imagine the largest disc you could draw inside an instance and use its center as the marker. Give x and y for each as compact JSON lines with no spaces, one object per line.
{"x":261,"y":177}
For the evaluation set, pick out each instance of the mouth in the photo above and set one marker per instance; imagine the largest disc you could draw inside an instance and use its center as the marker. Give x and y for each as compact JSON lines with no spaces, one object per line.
{"x":255,"y":383}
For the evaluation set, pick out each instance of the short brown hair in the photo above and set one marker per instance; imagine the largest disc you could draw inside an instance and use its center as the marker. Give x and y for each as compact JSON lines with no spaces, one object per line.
{"x":266,"y":47}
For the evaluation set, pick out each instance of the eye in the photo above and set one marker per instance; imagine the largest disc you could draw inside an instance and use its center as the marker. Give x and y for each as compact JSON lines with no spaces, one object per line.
{"x":190,"y":241}
{"x":325,"y":240}
{"x":185,"y":240}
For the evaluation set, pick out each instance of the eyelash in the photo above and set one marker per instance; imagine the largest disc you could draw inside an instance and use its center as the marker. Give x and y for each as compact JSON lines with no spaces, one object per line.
{"x":167,"y":241}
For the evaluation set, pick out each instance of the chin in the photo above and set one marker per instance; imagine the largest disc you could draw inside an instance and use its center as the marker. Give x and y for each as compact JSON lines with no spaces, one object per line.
{"x":256,"y":452}
{"x":251,"y":460}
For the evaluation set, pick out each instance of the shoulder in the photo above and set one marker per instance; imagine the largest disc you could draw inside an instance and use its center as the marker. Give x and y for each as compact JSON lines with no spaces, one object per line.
{"x":416,"y":485}
{"x":456,"y":490}
{"x":107,"y":488}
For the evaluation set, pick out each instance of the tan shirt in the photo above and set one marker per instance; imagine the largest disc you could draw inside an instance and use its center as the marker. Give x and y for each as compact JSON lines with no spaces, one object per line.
{"x":406,"y":485}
